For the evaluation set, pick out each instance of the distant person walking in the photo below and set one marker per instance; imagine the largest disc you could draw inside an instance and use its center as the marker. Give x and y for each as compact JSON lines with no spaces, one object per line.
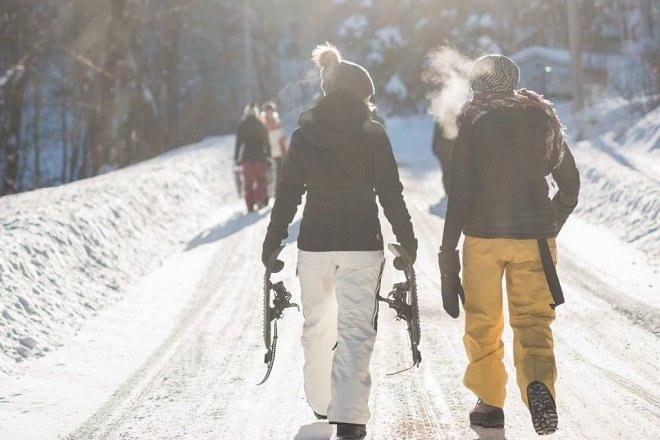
{"x":276,"y":136}
{"x":441,"y":147}
{"x":508,"y":142}
{"x":343,"y":160}
{"x":251,"y":151}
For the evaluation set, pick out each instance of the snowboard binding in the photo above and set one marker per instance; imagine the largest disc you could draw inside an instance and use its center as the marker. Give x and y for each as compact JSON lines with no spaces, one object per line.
{"x":281,"y":300}
{"x":403,"y":299}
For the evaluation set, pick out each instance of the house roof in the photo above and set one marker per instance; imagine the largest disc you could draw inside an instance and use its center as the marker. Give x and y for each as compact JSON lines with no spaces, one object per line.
{"x":556,"y":55}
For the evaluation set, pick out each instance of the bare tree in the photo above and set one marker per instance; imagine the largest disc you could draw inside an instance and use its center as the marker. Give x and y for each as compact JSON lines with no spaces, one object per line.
{"x":19,"y":48}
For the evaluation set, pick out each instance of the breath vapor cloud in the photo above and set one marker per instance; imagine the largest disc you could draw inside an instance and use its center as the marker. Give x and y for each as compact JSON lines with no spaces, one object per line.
{"x":447,"y":70}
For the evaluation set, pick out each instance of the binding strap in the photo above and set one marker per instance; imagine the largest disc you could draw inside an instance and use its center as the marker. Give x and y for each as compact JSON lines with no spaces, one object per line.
{"x":550,"y":273}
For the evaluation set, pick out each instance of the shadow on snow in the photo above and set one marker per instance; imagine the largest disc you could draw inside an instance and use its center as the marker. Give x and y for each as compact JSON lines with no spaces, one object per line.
{"x":315,"y":431}
{"x":232,"y":226}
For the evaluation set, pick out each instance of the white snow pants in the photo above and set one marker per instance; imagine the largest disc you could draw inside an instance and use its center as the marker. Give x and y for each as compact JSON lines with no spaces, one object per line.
{"x":338,"y":294}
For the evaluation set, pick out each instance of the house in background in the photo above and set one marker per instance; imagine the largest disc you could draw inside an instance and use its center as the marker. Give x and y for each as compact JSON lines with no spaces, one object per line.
{"x":547,"y":70}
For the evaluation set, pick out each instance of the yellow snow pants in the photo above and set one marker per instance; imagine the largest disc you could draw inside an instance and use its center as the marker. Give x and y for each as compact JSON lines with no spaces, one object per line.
{"x":485,"y":262}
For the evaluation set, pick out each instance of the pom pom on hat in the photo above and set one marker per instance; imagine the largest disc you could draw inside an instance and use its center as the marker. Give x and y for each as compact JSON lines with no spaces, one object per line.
{"x":338,"y":75}
{"x":326,"y":55}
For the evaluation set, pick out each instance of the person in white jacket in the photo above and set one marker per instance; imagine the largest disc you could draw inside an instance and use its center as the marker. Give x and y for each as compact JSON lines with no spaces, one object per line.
{"x":276,"y":136}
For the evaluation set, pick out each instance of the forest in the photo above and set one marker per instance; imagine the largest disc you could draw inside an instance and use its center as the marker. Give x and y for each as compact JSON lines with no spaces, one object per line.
{"x":88,"y":86}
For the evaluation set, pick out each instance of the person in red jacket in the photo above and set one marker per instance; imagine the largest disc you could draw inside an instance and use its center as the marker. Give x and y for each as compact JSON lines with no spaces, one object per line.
{"x":508,"y":142}
{"x":343,"y":161}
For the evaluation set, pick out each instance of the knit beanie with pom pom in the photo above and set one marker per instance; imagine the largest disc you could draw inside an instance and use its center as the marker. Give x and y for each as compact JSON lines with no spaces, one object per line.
{"x":494,"y":73}
{"x":339,"y":75}
{"x":251,"y":109}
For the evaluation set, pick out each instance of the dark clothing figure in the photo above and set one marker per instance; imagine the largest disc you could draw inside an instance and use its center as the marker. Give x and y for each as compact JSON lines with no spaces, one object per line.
{"x":442,"y":150}
{"x":251,"y":141}
{"x":508,"y":142}
{"x":251,"y":151}
{"x":498,"y":186}
{"x":343,"y":161}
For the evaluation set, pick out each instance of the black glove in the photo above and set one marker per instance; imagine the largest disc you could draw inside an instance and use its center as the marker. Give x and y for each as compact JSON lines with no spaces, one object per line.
{"x":268,"y":249}
{"x":563,"y":205}
{"x":411,"y":248}
{"x":450,"y":282}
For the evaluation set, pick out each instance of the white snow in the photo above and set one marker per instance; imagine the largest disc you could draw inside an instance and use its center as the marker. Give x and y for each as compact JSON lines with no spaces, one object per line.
{"x":141,"y":292}
{"x":353,"y":26}
{"x":388,"y":37}
{"x":67,"y":252}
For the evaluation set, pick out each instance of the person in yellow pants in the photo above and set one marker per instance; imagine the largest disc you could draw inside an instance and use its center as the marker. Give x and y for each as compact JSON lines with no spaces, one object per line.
{"x":508,"y":142}
{"x":485,"y":262}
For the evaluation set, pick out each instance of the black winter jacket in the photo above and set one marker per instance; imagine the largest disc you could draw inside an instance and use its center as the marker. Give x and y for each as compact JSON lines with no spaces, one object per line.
{"x":342,"y":160}
{"x":252,"y":144}
{"x":498,"y":186}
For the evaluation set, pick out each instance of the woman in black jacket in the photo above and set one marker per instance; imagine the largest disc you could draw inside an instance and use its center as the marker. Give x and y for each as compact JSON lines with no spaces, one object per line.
{"x":342,"y":160}
{"x":251,"y":152}
{"x":508,"y":142}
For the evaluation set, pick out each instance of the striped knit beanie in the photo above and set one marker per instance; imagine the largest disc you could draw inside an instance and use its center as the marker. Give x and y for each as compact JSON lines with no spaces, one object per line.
{"x":339,"y":75}
{"x":493,"y":73}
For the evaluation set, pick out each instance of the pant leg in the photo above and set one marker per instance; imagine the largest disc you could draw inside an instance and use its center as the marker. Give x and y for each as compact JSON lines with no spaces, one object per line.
{"x":358,"y":282}
{"x":248,"y":184}
{"x":316,"y":272}
{"x":530,"y":316}
{"x":483,"y":270}
{"x":278,"y":169}
{"x":444,"y":156}
{"x":260,"y":190}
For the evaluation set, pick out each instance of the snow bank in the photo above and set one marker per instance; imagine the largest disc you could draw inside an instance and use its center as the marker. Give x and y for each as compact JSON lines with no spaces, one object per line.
{"x":645,"y":133}
{"x":620,"y":172}
{"x":66,"y":252}
{"x":620,"y":198}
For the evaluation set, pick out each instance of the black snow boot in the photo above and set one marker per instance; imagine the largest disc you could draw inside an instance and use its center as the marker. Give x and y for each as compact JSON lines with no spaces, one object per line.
{"x":350,"y":430}
{"x":542,"y":407}
{"x":487,"y":416}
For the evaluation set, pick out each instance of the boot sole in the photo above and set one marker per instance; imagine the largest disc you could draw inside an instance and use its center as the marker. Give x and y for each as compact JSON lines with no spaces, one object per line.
{"x":542,"y":408}
{"x":491,"y":425}
{"x":351,"y":431}
{"x":493,"y":419}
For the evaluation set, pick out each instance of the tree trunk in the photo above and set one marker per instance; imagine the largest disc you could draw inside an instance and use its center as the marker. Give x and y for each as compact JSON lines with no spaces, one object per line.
{"x":36,"y":102}
{"x":172,"y":58}
{"x":13,"y":91}
{"x":64,"y":126}
{"x":102,"y":135}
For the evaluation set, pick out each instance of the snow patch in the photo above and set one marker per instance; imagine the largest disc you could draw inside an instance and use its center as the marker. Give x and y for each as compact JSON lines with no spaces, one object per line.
{"x":67,"y":252}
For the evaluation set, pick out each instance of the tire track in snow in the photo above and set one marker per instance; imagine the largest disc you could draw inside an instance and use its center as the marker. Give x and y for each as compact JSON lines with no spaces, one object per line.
{"x":637,"y":312}
{"x":199,"y":393}
{"x":145,"y":379}
{"x":171,"y":353}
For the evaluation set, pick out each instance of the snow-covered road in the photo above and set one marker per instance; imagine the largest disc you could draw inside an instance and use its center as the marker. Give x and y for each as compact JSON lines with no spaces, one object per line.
{"x":180,"y":356}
